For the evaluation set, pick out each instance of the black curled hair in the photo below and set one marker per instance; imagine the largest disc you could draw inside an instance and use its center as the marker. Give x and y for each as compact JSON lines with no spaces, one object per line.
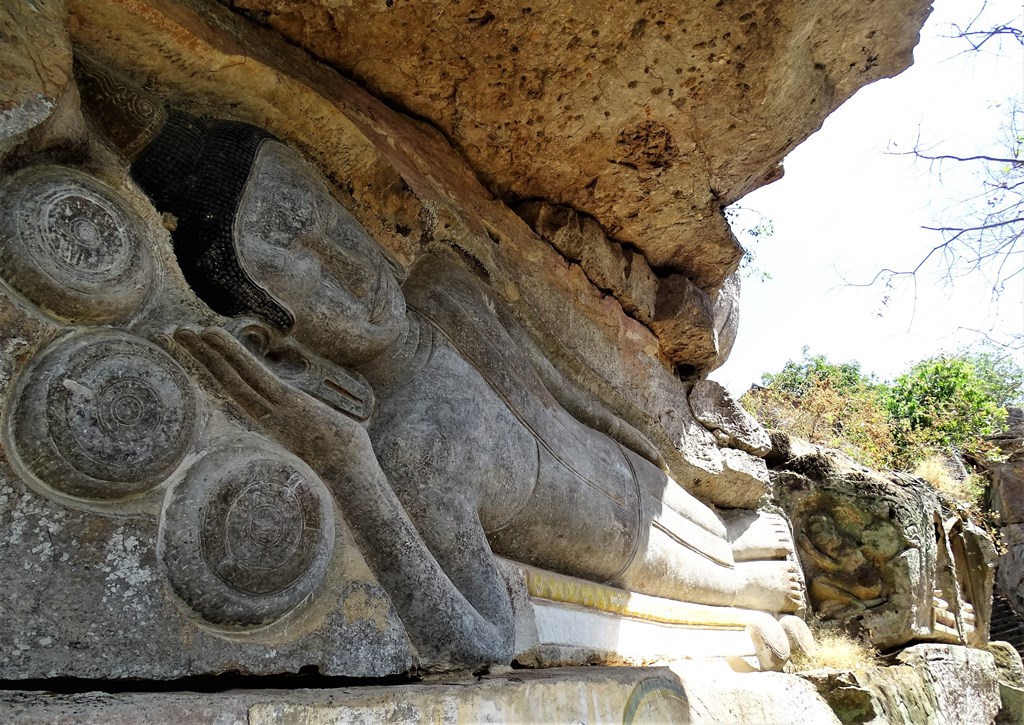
{"x":197,"y":170}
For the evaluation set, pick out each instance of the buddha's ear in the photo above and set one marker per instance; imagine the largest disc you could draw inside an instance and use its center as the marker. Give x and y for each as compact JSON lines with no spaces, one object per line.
{"x":394,"y":265}
{"x":257,"y":336}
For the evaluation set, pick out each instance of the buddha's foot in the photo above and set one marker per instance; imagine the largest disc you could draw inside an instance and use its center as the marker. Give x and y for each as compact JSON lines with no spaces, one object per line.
{"x":801,"y":639}
{"x":759,"y":536}
{"x":771,"y":586}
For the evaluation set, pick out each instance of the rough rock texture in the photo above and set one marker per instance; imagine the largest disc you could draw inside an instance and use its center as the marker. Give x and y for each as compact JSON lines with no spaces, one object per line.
{"x":35,"y":66}
{"x":930,"y":684}
{"x":727,"y":316}
{"x":916,"y":691}
{"x":685,"y":324}
{"x":1010,"y":576}
{"x":731,"y":478}
{"x":608,"y":264}
{"x":491,"y":354}
{"x":726,"y":419}
{"x":1007,"y":486}
{"x":1010,"y":674}
{"x":647,"y":116}
{"x":1007,"y":495}
{"x":415,"y":195}
{"x":691,"y":696}
{"x":1008,"y":474}
{"x":880,"y":552}
{"x":92,"y":602}
{"x":238,"y":417}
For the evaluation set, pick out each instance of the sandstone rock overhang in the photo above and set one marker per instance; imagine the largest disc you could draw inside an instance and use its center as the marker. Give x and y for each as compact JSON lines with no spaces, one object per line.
{"x":649,"y":116}
{"x":621,"y":326}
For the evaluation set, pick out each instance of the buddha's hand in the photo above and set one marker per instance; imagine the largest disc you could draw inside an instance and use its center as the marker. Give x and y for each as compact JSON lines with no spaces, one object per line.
{"x":296,"y":419}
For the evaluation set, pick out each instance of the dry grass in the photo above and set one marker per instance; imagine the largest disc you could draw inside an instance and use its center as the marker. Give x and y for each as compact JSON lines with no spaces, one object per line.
{"x":935,"y":471}
{"x":852,"y":421}
{"x":836,"y":650}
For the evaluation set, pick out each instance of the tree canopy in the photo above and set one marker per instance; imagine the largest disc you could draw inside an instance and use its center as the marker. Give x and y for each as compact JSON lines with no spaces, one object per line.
{"x":834,"y":404}
{"x":947,"y":402}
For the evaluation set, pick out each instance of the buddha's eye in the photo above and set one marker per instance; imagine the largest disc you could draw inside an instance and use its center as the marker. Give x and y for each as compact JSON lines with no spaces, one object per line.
{"x":292,"y":272}
{"x":351,"y":269}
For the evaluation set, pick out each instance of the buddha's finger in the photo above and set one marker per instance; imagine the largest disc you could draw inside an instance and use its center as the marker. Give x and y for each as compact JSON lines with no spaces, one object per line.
{"x":228,"y":378}
{"x":255,"y":374}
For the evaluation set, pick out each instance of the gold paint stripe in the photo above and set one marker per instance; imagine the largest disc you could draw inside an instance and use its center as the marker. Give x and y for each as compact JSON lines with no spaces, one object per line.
{"x":564,"y":589}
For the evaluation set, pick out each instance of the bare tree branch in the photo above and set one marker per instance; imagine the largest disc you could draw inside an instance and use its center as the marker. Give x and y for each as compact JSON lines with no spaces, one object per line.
{"x":950,"y":157}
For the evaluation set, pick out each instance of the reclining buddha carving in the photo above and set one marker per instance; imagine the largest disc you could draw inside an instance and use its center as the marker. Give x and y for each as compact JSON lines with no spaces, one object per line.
{"x":408,"y":408}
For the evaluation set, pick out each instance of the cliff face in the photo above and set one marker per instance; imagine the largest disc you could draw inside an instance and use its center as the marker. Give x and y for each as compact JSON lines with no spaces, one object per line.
{"x":396,"y":369}
{"x":648,"y":116}
{"x":579,"y":158}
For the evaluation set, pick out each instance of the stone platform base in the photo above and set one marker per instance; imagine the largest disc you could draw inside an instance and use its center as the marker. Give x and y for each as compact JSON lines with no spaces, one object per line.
{"x":579,"y":695}
{"x":563,"y":622}
{"x":929,"y":683}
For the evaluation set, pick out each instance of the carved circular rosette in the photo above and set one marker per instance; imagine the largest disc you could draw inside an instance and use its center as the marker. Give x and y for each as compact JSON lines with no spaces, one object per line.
{"x":247,"y":535}
{"x":70,"y":244}
{"x":104,"y":416}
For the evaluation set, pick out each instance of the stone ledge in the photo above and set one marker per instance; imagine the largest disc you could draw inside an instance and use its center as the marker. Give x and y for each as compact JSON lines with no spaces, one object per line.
{"x":591,"y":695}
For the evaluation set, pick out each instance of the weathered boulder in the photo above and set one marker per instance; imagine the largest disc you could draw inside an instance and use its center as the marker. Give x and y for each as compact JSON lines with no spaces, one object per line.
{"x":1008,"y":663}
{"x":1015,"y":421}
{"x":685,"y":324}
{"x":930,"y":683}
{"x":713,"y":406}
{"x":1008,"y":474}
{"x":729,"y":477}
{"x":35,"y":67}
{"x":1010,"y":675}
{"x":1007,"y":496}
{"x":880,"y":552}
{"x":1008,"y":490}
{"x":607,"y":264}
{"x":727,"y":316}
{"x":646,"y":116}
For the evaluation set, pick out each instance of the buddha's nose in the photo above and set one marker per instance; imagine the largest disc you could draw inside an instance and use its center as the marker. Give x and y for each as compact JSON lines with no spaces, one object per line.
{"x":360,"y":287}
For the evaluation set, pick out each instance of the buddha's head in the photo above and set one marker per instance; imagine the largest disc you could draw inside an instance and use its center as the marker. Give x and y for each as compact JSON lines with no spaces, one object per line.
{"x":259,"y":234}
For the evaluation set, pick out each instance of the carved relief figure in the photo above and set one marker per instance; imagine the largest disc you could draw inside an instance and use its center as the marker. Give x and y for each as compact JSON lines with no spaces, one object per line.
{"x":847,"y":570}
{"x":410,"y":405}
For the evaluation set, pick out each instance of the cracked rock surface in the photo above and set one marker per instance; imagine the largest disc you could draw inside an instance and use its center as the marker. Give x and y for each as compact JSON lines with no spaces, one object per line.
{"x":647,"y":116}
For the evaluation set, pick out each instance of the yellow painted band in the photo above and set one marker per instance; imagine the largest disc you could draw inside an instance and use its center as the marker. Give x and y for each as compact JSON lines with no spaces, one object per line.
{"x":553,"y":587}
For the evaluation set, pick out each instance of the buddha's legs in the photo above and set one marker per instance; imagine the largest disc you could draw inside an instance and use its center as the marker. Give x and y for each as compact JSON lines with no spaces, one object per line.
{"x":646,"y":534}
{"x":682,"y":559}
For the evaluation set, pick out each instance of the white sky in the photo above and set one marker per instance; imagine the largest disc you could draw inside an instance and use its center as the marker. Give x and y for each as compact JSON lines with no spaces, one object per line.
{"x":846,"y":209}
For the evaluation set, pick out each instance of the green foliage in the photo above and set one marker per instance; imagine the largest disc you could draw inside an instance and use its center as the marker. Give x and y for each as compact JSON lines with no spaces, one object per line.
{"x":1002,"y":377}
{"x":943,"y":403}
{"x":815,"y":370}
{"x":835,"y":405}
{"x":950,"y":402}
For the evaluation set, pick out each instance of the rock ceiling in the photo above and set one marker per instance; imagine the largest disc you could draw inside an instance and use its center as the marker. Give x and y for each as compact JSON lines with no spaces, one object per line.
{"x":648,"y":116}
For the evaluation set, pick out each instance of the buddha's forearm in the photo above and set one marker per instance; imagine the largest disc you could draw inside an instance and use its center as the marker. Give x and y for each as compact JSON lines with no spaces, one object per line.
{"x":478,"y":631}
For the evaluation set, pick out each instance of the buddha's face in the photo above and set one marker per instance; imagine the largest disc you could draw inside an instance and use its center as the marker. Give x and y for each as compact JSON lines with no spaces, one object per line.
{"x":309,"y":253}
